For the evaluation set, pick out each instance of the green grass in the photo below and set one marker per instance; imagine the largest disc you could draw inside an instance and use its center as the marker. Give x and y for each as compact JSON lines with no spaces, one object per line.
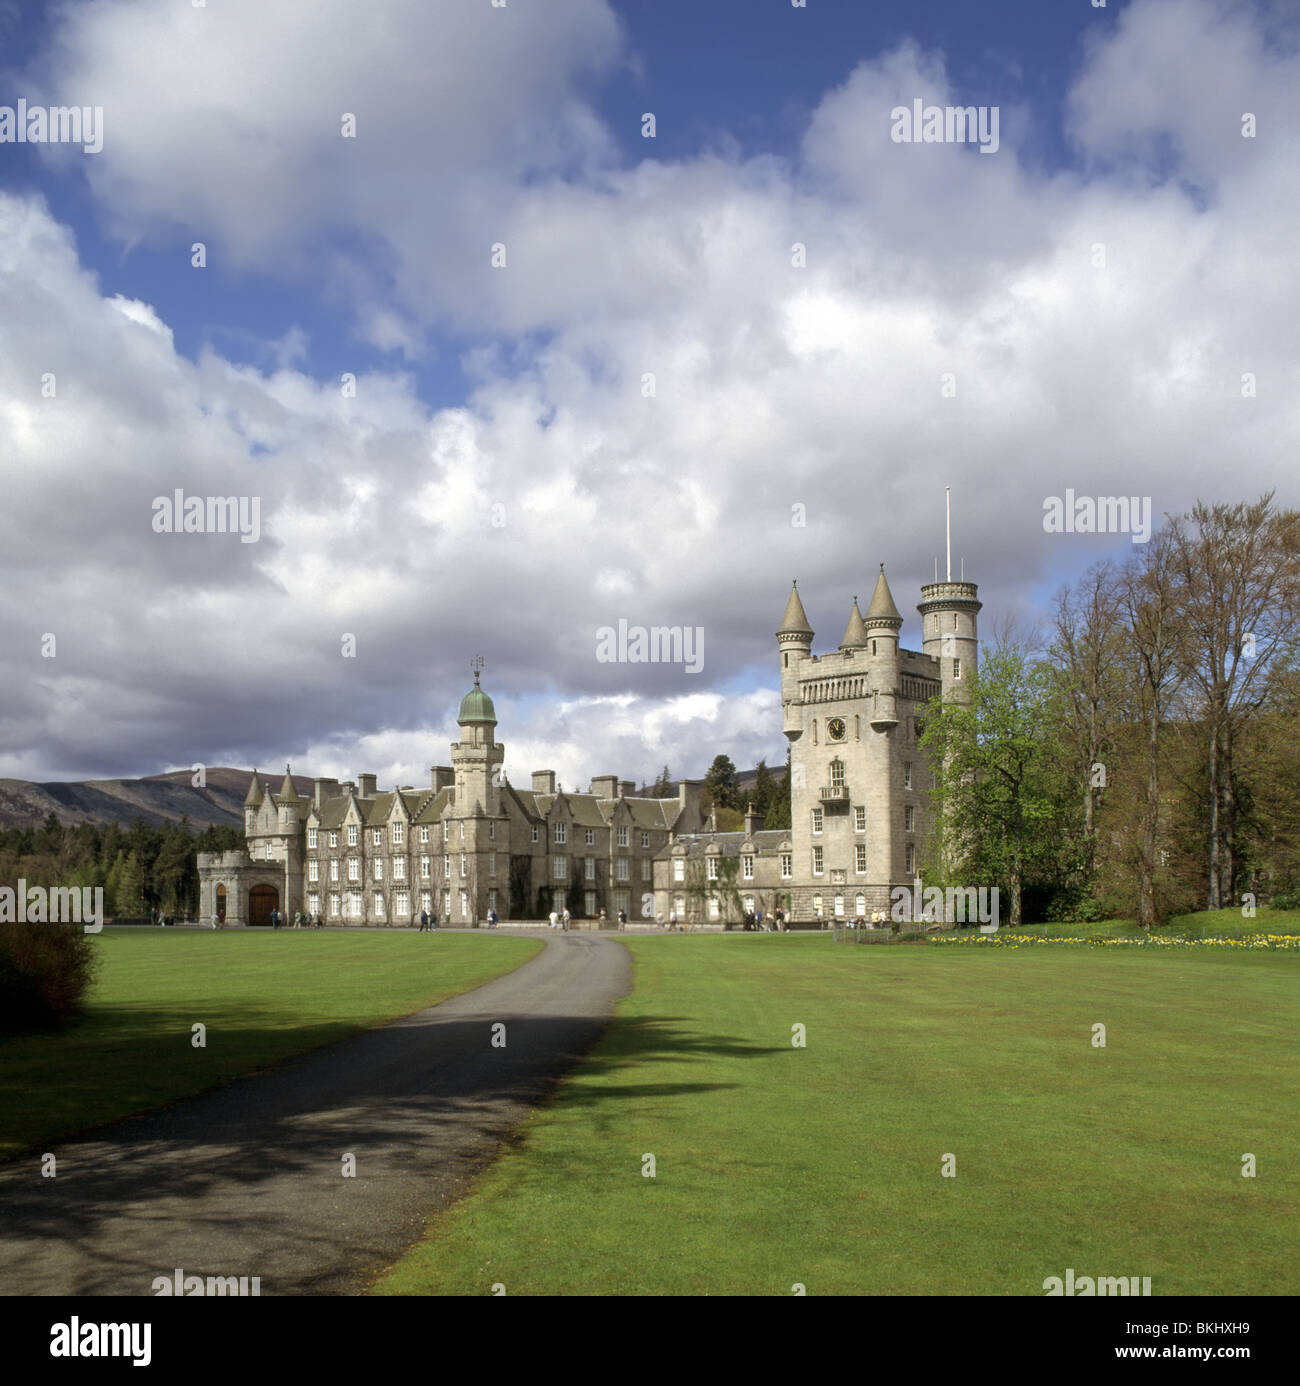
{"x":262,"y":996}
{"x":821,"y":1166}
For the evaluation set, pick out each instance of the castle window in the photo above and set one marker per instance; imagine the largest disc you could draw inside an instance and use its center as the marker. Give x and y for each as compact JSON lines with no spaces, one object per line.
{"x":592,"y":906}
{"x":334,"y":839}
{"x":354,"y":869}
{"x":399,"y":868}
{"x":462,"y":832}
{"x":311,"y":837}
{"x":352,"y":834}
{"x":446,"y":866}
{"x":679,"y":869}
{"x":816,"y":820}
{"x":909,"y":818}
{"x":334,"y":906}
{"x":424,"y":868}
{"x":713,"y":906}
{"x":837,"y":774}
{"x":334,"y":870}
{"x":396,"y":829}
{"x":839,"y":907}
{"x":860,"y":906}
{"x":814,"y":731}
{"x":747,"y":867}
{"x":424,"y":833}
{"x":645,"y":841}
{"x":907,"y":775}
{"x":492,"y":863}
{"x":446,"y":830}
{"x":403,"y":904}
{"x":492,"y":832}
{"x":787,"y":866}
{"x":426,"y":900}
{"x":620,"y":869}
{"x":954,"y":620}
{"x":376,"y":837}
{"x":464,"y":904}
{"x":860,"y":857}
{"x":446,"y":904}
{"x":313,"y":871}
{"x":534,"y":832}
{"x":561,"y":832}
{"x":464,"y":870}
{"x":910,"y":858}
{"x":492,"y":899}
{"x":560,"y":868}
{"x":873,"y":647}
{"x":589,"y":870}
{"x":379,"y":906}
{"x":645,"y":868}
{"x":956,"y":668}
{"x":621,"y":837}
{"x":379,"y":868}
{"x":711,"y":868}
{"x":817,"y":906}
{"x":589,"y":837}
{"x":857,"y":729}
{"x":859,"y":818}
{"x":313,"y":903}
{"x":817,"y":861}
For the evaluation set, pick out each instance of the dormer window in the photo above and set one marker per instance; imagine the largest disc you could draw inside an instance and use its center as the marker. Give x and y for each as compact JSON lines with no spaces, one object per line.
{"x":352,"y":834}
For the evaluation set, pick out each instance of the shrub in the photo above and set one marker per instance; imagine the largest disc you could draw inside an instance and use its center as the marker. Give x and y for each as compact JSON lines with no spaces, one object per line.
{"x":1286,"y":900}
{"x":45,"y":973}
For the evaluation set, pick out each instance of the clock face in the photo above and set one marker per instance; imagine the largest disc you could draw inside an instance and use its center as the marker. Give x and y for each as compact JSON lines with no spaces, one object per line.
{"x":835,"y":729}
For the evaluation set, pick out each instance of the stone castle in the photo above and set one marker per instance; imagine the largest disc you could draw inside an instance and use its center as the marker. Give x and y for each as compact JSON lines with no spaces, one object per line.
{"x":471,"y":842}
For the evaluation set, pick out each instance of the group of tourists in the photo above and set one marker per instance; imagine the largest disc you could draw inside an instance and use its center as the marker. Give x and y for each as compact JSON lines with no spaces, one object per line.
{"x":428,"y":922}
{"x":300,"y":920}
{"x":756,"y":921}
{"x":561,"y":920}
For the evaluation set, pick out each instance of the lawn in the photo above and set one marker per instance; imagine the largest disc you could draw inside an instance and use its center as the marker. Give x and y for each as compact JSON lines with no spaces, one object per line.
{"x":263,"y":996}
{"x":821,"y":1166}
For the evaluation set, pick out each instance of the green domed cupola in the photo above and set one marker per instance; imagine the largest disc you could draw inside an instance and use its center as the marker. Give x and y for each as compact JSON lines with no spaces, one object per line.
{"x":476,"y":707}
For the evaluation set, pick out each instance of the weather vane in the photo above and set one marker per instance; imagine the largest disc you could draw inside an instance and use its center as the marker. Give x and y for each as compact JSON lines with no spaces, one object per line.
{"x":476,"y":664}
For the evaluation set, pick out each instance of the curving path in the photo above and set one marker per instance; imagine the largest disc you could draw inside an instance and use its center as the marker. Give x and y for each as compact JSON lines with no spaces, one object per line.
{"x":247,"y":1180}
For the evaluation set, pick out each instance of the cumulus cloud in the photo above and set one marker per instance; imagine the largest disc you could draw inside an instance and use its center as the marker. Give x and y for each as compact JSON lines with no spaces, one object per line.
{"x":662,"y":394}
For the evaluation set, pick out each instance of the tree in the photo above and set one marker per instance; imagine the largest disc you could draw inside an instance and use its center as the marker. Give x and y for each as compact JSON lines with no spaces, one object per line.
{"x":1001,"y":801}
{"x":1237,"y":570}
{"x":720,"y":781}
{"x":663,"y":786}
{"x":1148,"y":612}
{"x":765,"y":790}
{"x":1084,"y":655}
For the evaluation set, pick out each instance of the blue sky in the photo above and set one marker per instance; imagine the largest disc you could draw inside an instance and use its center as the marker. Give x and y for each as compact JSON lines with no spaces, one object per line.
{"x":501,"y":482}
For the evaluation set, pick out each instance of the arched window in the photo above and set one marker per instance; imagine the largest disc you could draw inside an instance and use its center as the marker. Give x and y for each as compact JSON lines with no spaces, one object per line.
{"x":837,"y":774}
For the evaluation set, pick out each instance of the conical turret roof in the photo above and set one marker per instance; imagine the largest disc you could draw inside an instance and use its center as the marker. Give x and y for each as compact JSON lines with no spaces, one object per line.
{"x":287,"y":791}
{"x":795,"y":620}
{"x":254,"y":795}
{"x":882,"y":606}
{"x":855,"y":633}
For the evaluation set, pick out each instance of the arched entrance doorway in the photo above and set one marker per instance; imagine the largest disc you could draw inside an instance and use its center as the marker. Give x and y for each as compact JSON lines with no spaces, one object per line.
{"x":262,"y":899}
{"x":221,"y":904}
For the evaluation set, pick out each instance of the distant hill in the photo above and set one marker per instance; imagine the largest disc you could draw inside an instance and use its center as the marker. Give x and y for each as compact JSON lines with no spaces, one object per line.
{"x":158,"y":799}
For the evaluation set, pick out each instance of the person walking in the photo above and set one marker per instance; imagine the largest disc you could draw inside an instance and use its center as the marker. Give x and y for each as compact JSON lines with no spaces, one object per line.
{"x":622,"y":919}
{"x":297,"y":919}
{"x":214,"y":919}
{"x":424,"y":922}
{"x":555,"y":920}
{"x":564,"y":919}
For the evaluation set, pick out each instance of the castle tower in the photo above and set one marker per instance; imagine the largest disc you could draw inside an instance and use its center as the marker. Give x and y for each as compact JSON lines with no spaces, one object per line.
{"x":950,"y":634}
{"x":883,"y":622}
{"x":252,"y":802}
{"x":794,"y":639}
{"x":476,"y":759}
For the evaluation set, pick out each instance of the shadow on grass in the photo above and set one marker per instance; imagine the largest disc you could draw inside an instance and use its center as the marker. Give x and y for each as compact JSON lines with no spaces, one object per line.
{"x":247,"y":1179}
